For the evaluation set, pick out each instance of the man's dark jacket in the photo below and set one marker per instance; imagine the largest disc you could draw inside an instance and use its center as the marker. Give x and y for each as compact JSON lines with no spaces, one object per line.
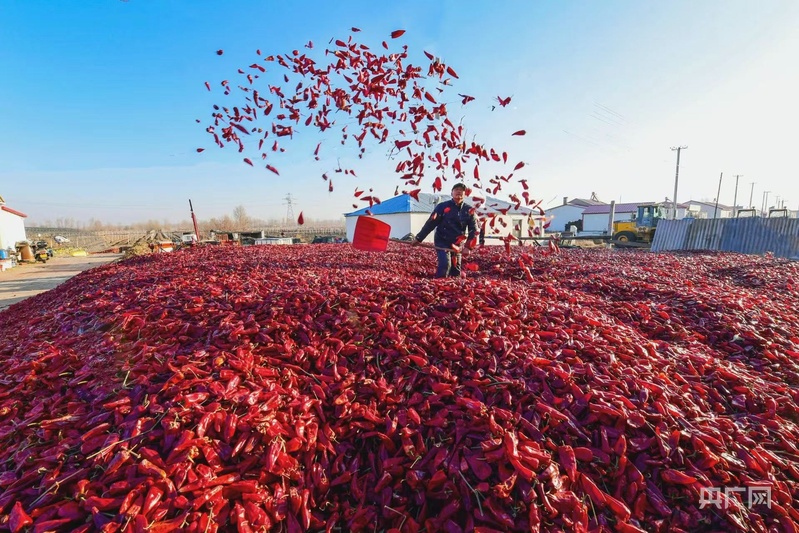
{"x":450,"y":221}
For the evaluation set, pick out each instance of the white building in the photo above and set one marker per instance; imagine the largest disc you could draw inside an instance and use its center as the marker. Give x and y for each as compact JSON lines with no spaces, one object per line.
{"x":596,"y":217}
{"x":708,"y":209}
{"x":407,"y":215}
{"x":12,"y":226}
{"x":568,"y":211}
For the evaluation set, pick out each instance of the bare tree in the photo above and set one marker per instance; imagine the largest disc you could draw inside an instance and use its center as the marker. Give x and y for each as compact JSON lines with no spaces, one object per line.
{"x":240,"y":217}
{"x":222,"y":224}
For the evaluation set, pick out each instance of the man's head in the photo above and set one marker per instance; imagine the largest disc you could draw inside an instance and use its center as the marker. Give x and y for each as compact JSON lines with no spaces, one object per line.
{"x":458,"y":192}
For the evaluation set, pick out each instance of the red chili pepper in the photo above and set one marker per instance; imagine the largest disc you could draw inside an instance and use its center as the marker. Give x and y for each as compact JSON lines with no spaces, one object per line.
{"x":18,"y":519}
{"x":656,"y":500}
{"x":593,"y":492}
{"x":675,"y":476}
{"x":549,"y":411}
{"x":533,"y":516}
{"x":121,"y":457}
{"x":132,"y":504}
{"x":583,"y":454}
{"x":56,"y":524}
{"x":787,"y":525}
{"x":240,"y":518}
{"x":639,"y":506}
{"x":147,"y":468}
{"x":568,"y":460}
{"x":618,"y":508}
{"x":139,"y":524}
{"x":511,"y":451}
{"x":229,"y":428}
{"x":71,"y":510}
{"x":95,"y":432}
{"x":626,"y":527}
{"x":102,"y":504}
{"x":151,"y":500}
{"x":209,"y":497}
{"x":204,"y":423}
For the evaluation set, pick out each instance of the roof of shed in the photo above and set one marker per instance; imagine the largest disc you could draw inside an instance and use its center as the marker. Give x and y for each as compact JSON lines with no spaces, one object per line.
{"x":13,"y":211}
{"x":710,"y":204}
{"x":404,"y":203}
{"x":620,"y":208}
{"x":582,"y":202}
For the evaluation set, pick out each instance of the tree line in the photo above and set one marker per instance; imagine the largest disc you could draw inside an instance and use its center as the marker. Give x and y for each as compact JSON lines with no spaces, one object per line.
{"x":238,"y":220}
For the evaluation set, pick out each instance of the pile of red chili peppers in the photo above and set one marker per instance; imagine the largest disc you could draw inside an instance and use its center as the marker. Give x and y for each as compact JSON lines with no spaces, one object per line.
{"x":317,"y":388}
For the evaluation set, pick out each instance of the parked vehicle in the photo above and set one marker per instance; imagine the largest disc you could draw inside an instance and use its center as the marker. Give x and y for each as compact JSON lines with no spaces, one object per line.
{"x":188,"y":238}
{"x":327,"y":239}
{"x":42,"y":252}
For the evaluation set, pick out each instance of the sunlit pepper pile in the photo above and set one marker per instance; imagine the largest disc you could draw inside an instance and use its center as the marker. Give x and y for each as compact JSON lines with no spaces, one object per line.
{"x":317,"y":388}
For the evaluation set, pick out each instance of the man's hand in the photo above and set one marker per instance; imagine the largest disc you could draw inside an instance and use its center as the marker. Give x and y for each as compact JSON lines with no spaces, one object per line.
{"x":415,"y":242}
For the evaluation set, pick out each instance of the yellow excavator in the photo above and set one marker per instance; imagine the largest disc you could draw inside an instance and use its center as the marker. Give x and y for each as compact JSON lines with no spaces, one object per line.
{"x":642,"y":227}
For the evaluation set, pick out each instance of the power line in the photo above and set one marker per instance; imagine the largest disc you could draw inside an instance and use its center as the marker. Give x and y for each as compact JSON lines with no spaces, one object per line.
{"x":609,"y":110}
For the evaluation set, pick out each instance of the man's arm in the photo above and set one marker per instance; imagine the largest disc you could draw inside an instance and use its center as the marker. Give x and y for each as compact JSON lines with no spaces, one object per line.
{"x":432,"y":222}
{"x":471,"y":241}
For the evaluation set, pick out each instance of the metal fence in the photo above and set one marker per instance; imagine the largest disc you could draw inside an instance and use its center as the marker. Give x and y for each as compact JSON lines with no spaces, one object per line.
{"x":755,"y":235}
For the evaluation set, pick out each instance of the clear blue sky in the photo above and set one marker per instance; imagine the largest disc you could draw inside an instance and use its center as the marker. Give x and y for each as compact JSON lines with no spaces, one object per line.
{"x":99,"y":99}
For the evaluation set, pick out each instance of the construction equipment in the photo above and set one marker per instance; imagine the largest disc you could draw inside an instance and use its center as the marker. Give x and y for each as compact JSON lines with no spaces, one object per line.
{"x":642,"y":227}
{"x":194,"y":221}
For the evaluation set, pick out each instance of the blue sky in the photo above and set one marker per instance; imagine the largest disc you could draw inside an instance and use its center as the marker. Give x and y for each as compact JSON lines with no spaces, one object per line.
{"x":99,"y":100}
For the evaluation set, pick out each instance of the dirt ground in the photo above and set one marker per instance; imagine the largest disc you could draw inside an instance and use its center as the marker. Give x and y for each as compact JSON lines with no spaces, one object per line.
{"x":26,"y":280}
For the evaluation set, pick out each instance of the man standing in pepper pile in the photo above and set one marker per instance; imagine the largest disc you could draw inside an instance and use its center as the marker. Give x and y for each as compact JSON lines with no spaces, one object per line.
{"x":451,"y":220}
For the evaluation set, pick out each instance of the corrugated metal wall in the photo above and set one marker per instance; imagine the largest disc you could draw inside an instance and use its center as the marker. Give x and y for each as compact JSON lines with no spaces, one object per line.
{"x":671,"y":234}
{"x":745,"y":235}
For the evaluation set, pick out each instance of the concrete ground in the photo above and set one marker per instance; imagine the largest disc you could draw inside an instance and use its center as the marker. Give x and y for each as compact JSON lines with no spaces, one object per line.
{"x":29,"y":279}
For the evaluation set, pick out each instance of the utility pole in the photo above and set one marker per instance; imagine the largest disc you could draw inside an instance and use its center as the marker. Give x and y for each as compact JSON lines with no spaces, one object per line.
{"x":716,"y":209}
{"x":765,"y":203}
{"x":751,"y":192}
{"x":289,"y":208}
{"x":676,"y":179}
{"x":735,"y":198}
